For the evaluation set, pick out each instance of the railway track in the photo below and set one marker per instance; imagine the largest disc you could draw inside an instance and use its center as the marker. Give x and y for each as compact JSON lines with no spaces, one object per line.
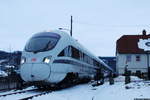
{"x":36,"y":95}
{"x":17,"y":92}
{"x":29,"y":94}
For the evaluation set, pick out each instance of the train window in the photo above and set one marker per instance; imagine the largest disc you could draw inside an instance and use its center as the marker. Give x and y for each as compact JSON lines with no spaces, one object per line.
{"x":66,"y":52}
{"x":81,"y":56}
{"x":70,"y":51}
{"x":97,"y":64}
{"x":61,"y":53}
{"x":88,"y":59}
{"x":75,"y":53}
{"x":41,"y":43}
{"x":94,"y":63}
{"x":85,"y":58}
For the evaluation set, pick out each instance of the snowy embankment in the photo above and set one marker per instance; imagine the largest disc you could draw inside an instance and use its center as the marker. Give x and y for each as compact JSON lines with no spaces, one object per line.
{"x":118,"y":91}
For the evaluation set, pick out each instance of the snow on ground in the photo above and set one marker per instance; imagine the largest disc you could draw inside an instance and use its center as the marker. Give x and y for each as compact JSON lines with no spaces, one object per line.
{"x":122,"y":79}
{"x":118,"y":91}
{"x":3,"y":73}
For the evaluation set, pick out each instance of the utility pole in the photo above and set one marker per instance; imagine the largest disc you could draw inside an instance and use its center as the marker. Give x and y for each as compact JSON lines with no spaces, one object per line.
{"x":71,"y":26}
{"x":71,"y":22}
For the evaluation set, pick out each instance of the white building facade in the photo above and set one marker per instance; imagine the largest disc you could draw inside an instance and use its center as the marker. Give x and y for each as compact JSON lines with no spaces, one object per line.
{"x":136,"y":62}
{"x":133,"y":52}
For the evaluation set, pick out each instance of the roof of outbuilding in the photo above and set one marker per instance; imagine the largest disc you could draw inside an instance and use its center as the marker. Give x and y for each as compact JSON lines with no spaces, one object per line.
{"x":129,"y":44}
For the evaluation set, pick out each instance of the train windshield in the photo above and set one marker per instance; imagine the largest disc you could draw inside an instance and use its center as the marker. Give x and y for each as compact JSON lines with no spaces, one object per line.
{"x":41,"y":43}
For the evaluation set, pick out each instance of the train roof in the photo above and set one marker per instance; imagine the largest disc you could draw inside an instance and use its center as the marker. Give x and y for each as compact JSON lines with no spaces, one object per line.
{"x":50,"y":34}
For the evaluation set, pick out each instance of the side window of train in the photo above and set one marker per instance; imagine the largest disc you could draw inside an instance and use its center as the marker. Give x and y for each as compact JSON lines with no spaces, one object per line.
{"x":62,"y":53}
{"x":66,"y":52}
{"x":95,"y":63}
{"x":75,"y":53}
{"x":81,"y":56}
{"x":69,"y":51}
{"x":88,"y":59}
{"x":85,"y":58}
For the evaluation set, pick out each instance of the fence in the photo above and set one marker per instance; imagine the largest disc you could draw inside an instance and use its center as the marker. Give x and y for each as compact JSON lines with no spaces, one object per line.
{"x":10,"y":82}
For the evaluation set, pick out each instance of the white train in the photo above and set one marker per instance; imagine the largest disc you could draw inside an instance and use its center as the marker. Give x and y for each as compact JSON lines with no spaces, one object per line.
{"x":52,"y":57}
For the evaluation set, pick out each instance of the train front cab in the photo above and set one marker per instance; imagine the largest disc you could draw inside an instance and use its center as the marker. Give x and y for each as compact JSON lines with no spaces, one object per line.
{"x":36,"y":58}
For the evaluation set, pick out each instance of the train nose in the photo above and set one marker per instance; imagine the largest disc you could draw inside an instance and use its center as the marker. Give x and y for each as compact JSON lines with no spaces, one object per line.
{"x":35,"y":72}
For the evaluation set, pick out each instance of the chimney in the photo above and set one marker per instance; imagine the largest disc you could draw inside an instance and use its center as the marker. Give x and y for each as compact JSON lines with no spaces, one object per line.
{"x":144,"y":32}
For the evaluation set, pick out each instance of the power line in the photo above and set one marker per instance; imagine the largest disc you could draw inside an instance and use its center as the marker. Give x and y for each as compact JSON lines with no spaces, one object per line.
{"x":105,"y":25}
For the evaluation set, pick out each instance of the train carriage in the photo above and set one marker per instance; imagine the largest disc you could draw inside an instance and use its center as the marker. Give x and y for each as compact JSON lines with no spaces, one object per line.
{"x":51,"y":57}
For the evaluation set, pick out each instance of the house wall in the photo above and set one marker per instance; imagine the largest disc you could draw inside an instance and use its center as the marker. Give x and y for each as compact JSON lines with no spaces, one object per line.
{"x":132,"y":65}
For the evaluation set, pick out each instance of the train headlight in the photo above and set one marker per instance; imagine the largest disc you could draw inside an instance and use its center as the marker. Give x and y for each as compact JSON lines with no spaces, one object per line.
{"x":23,"y":60}
{"x":47,"y":59}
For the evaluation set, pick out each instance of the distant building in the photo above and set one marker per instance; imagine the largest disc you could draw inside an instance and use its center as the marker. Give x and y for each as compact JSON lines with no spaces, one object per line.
{"x":110,"y":61}
{"x":133,"y":52}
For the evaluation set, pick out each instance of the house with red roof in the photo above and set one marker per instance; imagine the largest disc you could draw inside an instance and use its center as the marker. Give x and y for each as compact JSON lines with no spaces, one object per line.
{"x":133,"y":53}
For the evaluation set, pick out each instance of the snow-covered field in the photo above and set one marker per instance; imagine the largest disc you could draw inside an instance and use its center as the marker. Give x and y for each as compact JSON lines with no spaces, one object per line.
{"x":118,"y":91}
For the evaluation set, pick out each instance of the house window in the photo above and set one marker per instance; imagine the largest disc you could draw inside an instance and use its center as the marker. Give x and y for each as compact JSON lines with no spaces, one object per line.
{"x":138,"y":58}
{"x":128,"y":58}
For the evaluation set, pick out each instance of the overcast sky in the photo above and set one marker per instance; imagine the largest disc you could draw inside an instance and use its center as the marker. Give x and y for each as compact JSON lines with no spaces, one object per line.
{"x":97,"y":24}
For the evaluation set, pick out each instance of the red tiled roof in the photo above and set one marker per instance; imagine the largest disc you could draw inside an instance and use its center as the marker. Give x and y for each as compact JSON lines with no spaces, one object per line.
{"x":129,"y":44}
